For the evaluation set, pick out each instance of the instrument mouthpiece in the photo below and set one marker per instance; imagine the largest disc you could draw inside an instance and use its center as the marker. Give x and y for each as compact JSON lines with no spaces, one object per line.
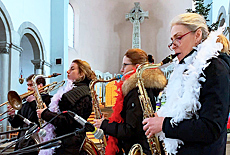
{"x":54,"y":75}
{"x":118,"y":76}
{"x":169,"y":58}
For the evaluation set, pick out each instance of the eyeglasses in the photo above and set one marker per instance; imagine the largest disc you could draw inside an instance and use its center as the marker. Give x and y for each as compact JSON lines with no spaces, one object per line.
{"x":176,"y":41}
{"x":125,"y":64}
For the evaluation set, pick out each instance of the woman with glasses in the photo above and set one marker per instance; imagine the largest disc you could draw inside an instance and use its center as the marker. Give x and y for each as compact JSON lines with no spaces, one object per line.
{"x":193,"y":120}
{"x":125,"y":127}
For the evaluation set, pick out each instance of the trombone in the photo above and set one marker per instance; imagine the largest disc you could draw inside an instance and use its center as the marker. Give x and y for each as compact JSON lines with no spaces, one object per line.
{"x":15,"y":100}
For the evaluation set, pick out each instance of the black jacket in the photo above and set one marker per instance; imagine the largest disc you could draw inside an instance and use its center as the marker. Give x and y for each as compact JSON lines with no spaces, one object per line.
{"x":28,"y":111}
{"x":207,"y":135}
{"x":77,"y":100}
{"x":131,"y":131}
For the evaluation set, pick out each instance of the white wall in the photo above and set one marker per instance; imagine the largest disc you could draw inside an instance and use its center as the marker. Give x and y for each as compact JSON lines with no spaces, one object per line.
{"x":35,"y":11}
{"x":105,"y":35}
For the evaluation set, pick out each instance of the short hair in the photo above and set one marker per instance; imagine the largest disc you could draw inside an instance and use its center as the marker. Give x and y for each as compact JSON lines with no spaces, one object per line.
{"x":39,"y":80}
{"x":136,"y":56}
{"x":192,"y":21}
{"x":222,"y":39}
{"x":85,"y":68}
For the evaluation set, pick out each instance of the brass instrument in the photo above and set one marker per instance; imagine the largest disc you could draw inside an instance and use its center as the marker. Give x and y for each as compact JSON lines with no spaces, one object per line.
{"x":16,"y":101}
{"x":40,"y":105}
{"x":146,"y":105}
{"x":90,"y":147}
{"x":136,"y":149}
{"x":147,"y":108}
{"x":97,"y":110}
{"x":37,"y":95}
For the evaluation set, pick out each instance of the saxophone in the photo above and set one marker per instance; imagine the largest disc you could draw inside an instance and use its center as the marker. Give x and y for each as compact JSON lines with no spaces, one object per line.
{"x":37,"y":96}
{"x":40,"y":103}
{"x":97,"y":110}
{"x":16,"y":102}
{"x":147,"y":108}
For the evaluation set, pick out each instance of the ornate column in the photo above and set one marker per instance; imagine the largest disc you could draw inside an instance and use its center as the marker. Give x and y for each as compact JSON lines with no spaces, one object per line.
{"x":4,"y":76}
{"x":38,"y":66}
{"x":136,"y":16}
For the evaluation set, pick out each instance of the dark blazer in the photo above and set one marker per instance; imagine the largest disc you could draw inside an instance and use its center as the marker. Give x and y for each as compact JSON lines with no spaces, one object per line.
{"x":131,"y":131}
{"x":206,"y":135}
{"x":28,"y":111}
{"x":77,"y":100}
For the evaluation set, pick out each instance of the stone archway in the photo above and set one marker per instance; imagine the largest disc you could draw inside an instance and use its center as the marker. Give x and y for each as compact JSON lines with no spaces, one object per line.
{"x":30,"y":36}
{"x":222,"y":18}
{"x":6,"y":47}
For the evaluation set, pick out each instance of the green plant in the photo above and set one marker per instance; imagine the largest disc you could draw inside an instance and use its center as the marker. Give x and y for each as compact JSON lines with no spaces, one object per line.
{"x":204,"y":10}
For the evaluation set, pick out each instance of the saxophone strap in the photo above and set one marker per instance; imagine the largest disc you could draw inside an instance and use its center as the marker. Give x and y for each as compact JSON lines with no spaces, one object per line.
{"x":76,"y":93}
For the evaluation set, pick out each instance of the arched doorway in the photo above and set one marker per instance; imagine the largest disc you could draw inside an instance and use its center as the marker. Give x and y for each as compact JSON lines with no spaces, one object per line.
{"x":6,"y":45}
{"x":222,"y":18}
{"x":32,"y":57}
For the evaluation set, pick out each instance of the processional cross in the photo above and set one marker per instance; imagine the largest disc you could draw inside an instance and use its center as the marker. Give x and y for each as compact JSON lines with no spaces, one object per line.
{"x":136,"y":16}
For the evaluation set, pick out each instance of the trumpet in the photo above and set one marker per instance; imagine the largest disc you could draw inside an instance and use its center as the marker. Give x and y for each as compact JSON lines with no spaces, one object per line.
{"x":15,"y":100}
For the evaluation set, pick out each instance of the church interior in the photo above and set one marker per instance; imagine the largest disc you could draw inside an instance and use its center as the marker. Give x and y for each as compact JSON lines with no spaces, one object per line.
{"x":45,"y":36}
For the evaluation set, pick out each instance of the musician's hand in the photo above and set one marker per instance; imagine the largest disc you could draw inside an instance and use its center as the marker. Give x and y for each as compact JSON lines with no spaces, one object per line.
{"x":39,"y":112}
{"x":44,"y":105}
{"x":97,"y":122}
{"x":30,"y":98}
{"x":10,"y":112}
{"x":152,"y":125}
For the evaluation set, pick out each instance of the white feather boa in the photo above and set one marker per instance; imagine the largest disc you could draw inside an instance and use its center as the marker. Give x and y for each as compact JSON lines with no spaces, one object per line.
{"x":53,"y":107}
{"x":183,"y":89}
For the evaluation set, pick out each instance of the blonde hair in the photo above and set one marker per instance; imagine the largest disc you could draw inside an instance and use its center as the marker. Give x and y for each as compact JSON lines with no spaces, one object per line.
{"x":137,"y":56}
{"x":192,"y":21}
{"x":222,"y":39}
{"x":85,"y":68}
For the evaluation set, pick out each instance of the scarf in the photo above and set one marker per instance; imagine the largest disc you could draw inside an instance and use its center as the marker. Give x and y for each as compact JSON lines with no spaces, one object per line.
{"x":112,"y":142}
{"x":53,"y":107}
{"x":183,"y":89}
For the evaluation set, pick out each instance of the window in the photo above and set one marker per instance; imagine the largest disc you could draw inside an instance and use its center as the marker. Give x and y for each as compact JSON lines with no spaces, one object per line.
{"x":70,"y":26}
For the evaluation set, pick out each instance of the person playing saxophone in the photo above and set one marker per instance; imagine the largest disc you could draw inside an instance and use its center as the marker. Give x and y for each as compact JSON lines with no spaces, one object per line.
{"x":28,"y":111}
{"x":194,"y":118}
{"x":124,"y":127}
{"x":74,"y":96}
